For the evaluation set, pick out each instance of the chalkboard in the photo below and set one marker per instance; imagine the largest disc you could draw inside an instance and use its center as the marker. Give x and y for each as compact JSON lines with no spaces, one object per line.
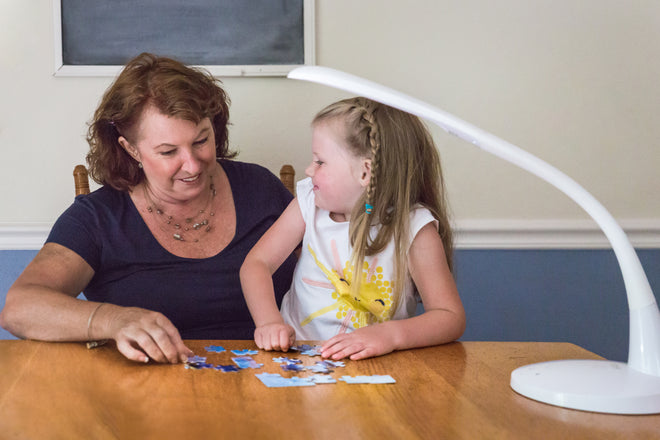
{"x":229,"y":37}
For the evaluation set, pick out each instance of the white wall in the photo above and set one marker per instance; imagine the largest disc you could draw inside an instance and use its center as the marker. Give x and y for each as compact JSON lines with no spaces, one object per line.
{"x":575,"y":83}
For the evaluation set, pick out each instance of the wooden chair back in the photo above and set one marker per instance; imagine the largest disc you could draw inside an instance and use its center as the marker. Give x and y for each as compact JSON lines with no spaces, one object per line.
{"x":81,"y":179}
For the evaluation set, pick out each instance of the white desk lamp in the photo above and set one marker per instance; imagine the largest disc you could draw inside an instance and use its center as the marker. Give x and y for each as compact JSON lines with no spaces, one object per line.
{"x":590,"y":385}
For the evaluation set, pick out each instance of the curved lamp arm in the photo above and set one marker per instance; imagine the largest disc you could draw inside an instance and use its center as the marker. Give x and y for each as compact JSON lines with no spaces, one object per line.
{"x":644,"y":350}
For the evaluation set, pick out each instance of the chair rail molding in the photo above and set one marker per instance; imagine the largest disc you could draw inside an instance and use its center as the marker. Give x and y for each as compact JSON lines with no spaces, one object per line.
{"x":550,"y":234}
{"x":469,"y":233}
{"x":25,"y":236}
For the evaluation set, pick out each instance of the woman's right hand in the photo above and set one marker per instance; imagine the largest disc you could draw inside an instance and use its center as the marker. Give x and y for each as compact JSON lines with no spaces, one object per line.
{"x":140,"y":334}
{"x":275,"y":336}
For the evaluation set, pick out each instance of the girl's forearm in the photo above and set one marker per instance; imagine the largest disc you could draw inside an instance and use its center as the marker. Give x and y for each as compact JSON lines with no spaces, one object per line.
{"x":433,"y":327}
{"x":257,"y":285}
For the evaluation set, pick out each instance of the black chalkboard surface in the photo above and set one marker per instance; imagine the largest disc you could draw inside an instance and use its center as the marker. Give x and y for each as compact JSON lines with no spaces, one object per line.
{"x":199,"y":32}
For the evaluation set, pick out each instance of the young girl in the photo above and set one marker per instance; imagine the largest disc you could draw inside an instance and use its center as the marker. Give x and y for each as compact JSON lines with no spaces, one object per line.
{"x":375,"y":237}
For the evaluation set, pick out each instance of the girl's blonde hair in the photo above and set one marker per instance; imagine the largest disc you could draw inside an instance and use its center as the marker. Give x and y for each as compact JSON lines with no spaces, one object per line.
{"x":405,"y":172}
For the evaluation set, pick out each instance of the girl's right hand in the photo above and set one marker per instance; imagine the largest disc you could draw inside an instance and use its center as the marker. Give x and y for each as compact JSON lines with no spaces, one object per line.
{"x":275,"y":336}
{"x":141,"y":334}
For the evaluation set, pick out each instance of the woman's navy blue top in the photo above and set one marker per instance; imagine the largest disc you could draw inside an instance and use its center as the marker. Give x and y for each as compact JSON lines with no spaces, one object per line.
{"x":202,"y":297}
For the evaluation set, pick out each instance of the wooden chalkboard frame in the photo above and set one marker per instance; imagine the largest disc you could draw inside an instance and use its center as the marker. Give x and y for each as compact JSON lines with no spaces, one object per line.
{"x":218,"y":70}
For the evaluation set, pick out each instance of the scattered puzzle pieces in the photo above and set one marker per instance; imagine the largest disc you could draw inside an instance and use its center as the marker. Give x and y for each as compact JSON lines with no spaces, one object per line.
{"x":321,"y":368}
{"x":227,"y":368}
{"x":197,"y":365}
{"x":289,"y":366}
{"x":246,"y":362}
{"x":368,"y":379}
{"x":246,"y":352}
{"x":287,"y":360}
{"x":307,"y":350}
{"x":277,"y":381}
{"x":314,"y":351}
{"x":334,"y":363}
{"x":322,"y":378}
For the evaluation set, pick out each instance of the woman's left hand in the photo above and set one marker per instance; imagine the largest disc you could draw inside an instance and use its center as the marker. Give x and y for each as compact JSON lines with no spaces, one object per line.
{"x":365,"y":342}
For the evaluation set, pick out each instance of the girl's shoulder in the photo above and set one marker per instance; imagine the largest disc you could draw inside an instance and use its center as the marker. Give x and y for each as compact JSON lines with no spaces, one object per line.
{"x":420,"y":216}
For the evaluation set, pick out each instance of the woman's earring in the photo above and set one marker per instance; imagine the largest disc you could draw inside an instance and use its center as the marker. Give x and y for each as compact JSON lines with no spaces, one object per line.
{"x":140,"y":165}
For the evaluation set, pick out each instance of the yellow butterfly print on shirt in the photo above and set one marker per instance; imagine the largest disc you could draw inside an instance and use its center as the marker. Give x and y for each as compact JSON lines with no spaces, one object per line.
{"x":372,"y":304}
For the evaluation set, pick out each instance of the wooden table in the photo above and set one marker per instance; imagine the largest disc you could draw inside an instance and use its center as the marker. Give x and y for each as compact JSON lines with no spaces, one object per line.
{"x":460,"y":390}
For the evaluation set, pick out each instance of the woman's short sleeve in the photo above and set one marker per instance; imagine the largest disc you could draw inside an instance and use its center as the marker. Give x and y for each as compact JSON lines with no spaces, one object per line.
{"x":76,"y":230}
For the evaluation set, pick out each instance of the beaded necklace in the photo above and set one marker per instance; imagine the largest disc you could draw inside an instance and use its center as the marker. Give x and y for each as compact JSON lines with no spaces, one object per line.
{"x":190,"y":229}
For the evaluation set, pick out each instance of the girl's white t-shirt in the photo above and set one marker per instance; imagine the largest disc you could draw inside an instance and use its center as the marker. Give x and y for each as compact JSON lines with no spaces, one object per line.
{"x":319,"y":305}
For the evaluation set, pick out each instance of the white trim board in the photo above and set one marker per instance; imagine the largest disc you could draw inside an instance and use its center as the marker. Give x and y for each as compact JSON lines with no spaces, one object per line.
{"x":469,"y":234}
{"x":550,"y":234}
{"x":14,"y":236}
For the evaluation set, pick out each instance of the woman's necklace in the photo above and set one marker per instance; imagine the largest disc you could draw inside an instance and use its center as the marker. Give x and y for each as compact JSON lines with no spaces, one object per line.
{"x":190,"y":229}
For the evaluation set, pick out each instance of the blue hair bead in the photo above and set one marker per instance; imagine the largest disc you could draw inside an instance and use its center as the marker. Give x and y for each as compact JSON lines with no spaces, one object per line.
{"x":368,"y":208}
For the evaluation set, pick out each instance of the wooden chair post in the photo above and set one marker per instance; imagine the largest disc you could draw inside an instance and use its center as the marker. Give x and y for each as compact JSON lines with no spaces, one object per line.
{"x":287,"y":176}
{"x":81,"y":180}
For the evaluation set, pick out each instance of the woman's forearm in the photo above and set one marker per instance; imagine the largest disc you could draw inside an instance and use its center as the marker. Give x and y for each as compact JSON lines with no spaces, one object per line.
{"x":42,"y":303}
{"x":37,"y":312}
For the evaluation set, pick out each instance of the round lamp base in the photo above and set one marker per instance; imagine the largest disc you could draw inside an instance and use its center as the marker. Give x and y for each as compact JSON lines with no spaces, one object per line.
{"x":589,"y":385}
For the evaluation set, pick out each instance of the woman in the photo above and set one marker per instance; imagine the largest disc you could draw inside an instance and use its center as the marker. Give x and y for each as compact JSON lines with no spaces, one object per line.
{"x":158,"y":248}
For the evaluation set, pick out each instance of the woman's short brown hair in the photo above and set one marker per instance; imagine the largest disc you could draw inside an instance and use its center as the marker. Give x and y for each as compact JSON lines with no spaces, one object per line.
{"x":175,"y":89}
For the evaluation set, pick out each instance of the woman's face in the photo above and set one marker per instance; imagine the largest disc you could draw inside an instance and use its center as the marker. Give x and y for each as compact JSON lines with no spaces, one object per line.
{"x":177,"y":156}
{"x":339,"y":177}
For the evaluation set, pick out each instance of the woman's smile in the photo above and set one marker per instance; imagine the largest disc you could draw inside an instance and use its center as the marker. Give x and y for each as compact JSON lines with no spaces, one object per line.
{"x":192,"y":179}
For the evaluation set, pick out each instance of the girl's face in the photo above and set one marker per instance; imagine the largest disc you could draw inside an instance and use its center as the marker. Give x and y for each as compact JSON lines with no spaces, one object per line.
{"x":339,"y":177}
{"x":177,"y":156}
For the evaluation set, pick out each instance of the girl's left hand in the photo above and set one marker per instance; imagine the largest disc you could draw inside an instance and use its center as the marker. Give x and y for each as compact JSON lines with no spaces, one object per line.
{"x":363,"y":343}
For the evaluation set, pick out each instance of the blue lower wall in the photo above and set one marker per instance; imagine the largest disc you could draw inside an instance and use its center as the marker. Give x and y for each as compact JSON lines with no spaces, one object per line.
{"x":12,"y":264}
{"x":517,"y":295}
{"x":573,"y":296}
